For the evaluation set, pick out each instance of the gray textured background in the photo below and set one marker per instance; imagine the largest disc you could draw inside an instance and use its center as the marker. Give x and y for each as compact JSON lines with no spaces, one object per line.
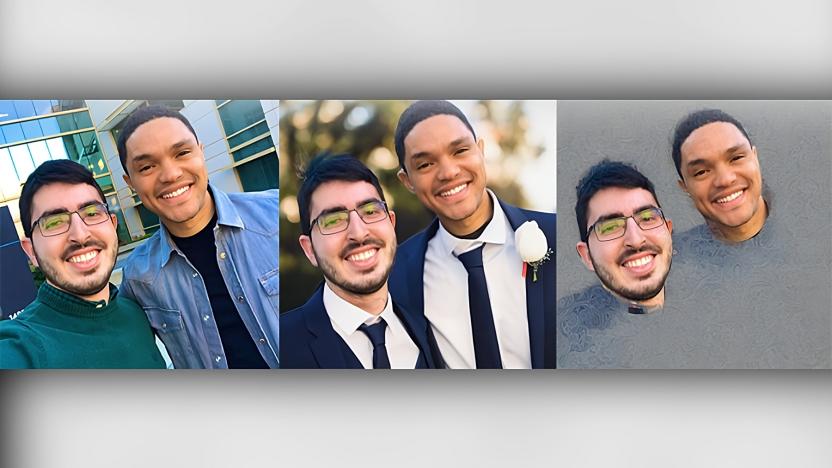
{"x":376,"y":49}
{"x":760,"y":296}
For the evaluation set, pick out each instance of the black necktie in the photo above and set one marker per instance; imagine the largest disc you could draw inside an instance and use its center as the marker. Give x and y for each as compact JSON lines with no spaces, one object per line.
{"x":486,"y":348}
{"x":375,"y":333}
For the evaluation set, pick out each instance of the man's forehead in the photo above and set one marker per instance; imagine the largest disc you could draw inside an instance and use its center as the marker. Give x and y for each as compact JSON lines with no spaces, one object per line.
{"x":64,"y":196}
{"x":344,"y":193}
{"x":447,"y":124}
{"x":623,"y":200}
{"x":714,"y":135}
{"x":160,"y":126}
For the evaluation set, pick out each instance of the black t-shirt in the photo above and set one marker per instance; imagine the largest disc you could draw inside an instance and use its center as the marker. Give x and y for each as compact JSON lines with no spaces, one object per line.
{"x":201,"y":250}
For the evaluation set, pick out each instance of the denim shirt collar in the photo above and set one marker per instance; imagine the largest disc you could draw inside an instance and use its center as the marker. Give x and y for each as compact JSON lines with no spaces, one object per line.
{"x":227,"y":215}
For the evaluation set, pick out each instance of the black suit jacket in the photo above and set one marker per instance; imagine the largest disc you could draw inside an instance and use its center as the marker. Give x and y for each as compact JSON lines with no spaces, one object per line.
{"x":407,"y":282}
{"x":308,"y":341}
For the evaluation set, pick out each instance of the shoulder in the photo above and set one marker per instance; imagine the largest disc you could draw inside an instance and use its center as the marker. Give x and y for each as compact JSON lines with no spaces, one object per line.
{"x":546,"y":221}
{"x":20,"y":345}
{"x":417,"y":243}
{"x":139,"y":263}
{"x":258,"y":210}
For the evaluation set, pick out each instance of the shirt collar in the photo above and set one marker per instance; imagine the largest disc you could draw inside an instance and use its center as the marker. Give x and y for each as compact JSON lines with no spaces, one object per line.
{"x":67,"y":303}
{"x":348,"y":317}
{"x":494,"y":233}
{"x":227,"y":215}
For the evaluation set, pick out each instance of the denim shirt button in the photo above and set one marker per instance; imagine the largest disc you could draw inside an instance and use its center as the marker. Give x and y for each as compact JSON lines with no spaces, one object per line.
{"x":205,"y":317}
{"x":262,"y":341}
{"x":195,"y":275}
{"x":222,"y":255}
{"x":218,"y":358}
{"x":241,"y":298}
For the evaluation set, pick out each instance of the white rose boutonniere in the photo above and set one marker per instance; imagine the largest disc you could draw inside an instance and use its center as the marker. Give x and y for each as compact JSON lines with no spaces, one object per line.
{"x":532,"y":246}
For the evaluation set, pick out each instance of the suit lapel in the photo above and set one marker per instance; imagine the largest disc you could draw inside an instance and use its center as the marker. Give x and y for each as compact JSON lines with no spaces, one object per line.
{"x":534,"y":295}
{"x":325,"y":342}
{"x":417,"y":328}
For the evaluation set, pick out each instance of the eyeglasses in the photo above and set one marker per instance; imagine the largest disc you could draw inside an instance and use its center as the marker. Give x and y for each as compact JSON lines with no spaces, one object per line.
{"x":58,"y":223}
{"x":613,"y":228}
{"x":334,"y":222}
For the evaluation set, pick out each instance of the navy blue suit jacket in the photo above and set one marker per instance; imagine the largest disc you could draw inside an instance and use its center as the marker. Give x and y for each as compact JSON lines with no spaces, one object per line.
{"x":407,"y":282}
{"x":308,"y":341}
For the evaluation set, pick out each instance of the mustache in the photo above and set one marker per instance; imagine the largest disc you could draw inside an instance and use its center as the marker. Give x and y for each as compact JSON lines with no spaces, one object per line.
{"x":355,"y":245}
{"x":654,"y":249}
{"x":75,"y":246}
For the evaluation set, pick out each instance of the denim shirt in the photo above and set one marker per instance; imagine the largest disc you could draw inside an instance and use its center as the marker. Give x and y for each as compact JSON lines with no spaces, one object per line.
{"x":170,"y":290}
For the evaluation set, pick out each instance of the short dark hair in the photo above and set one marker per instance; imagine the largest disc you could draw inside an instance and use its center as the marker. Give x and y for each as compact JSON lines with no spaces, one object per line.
{"x":697,"y":119}
{"x":419,"y":111}
{"x":603,"y":175}
{"x":140,"y":117}
{"x":50,"y":172}
{"x":327,"y":168}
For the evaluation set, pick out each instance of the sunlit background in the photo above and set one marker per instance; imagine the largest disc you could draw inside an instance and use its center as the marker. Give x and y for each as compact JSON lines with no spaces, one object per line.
{"x":519,"y":141}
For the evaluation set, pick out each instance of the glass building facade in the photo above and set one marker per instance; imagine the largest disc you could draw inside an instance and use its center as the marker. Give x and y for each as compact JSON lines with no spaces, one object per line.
{"x":35,"y":131}
{"x":239,"y":137}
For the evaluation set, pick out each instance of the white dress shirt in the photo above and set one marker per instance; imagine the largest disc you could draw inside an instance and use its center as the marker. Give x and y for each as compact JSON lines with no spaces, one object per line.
{"x":446,"y":294}
{"x":346,"y":318}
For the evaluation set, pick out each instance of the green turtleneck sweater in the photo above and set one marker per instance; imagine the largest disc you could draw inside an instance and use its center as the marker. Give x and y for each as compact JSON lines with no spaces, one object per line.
{"x":59,"y":330}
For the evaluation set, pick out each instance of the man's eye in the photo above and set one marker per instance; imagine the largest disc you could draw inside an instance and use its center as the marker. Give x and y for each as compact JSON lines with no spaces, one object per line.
{"x":609,"y":227}
{"x":461,"y":151}
{"x":647,"y":215}
{"x":53,"y":222}
{"x":184,"y":153}
{"x":737,"y":157}
{"x":699,"y":173}
{"x":144,"y":168}
{"x":422,"y":165}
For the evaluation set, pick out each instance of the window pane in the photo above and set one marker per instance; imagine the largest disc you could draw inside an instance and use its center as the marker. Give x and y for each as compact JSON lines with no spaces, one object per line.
{"x":49,"y":126}
{"x":106,"y":184}
{"x":148,"y":218}
{"x":56,"y":148}
{"x":68,"y":104}
{"x":82,"y":120}
{"x":260,"y":174}
{"x":24,"y":108}
{"x":22,"y":161}
{"x":13,"y":133}
{"x":253,"y":132}
{"x":7,"y":111}
{"x":72,"y":147}
{"x":253,"y":149}
{"x":31,"y":129}
{"x":9,"y":183}
{"x":40,"y":153}
{"x":66,"y":123}
{"x":237,"y":115}
{"x":42,"y":107}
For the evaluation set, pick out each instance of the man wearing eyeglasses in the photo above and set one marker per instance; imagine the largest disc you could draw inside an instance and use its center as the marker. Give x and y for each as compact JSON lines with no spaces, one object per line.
{"x":208,"y":278}
{"x":625,"y":238}
{"x":79,"y":319}
{"x":350,"y":321}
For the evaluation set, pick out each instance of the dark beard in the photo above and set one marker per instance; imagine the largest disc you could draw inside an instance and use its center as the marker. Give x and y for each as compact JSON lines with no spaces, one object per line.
{"x":87,"y":288}
{"x":632,"y":295}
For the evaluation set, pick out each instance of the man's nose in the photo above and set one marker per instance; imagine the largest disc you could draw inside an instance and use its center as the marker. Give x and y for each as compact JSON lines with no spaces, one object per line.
{"x":357,"y":228}
{"x":78,"y":230}
{"x":725,"y":177}
{"x":171,"y":172}
{"x":634,"y":235}
{"x":448,"y":168}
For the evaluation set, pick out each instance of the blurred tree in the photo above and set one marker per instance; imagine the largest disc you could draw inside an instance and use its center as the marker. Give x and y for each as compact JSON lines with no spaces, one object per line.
{"x":365,"y":129}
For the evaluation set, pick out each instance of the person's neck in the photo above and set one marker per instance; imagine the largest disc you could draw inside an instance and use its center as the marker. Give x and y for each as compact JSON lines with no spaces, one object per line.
{"x":463,"y":228}
{"x":197,"y":223}
{"x":743,"y":232}
{"x":373,"y":303}
{"x":103,"y":295}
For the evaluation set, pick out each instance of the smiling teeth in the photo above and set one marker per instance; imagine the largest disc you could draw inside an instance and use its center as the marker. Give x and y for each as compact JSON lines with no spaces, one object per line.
{"x":639,"y":262}
{"x":177,"y":192}
{"x":360,"y":257}
{"x":84,"y":257}
{"x":733,"y":196}
{"x":453,"y":191}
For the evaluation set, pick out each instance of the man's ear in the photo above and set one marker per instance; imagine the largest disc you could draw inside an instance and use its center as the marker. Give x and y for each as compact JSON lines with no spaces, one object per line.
{"x":127,"y":180}
{"x":669,"y":225}
{"x":392,"y":215}
{"x":481,"y":144}
{"x":405,"y":180}
{"x":583,"y":252}
{"x":306,"y":244}
{"x":683,"y":186}
{"x":26,"y":244}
